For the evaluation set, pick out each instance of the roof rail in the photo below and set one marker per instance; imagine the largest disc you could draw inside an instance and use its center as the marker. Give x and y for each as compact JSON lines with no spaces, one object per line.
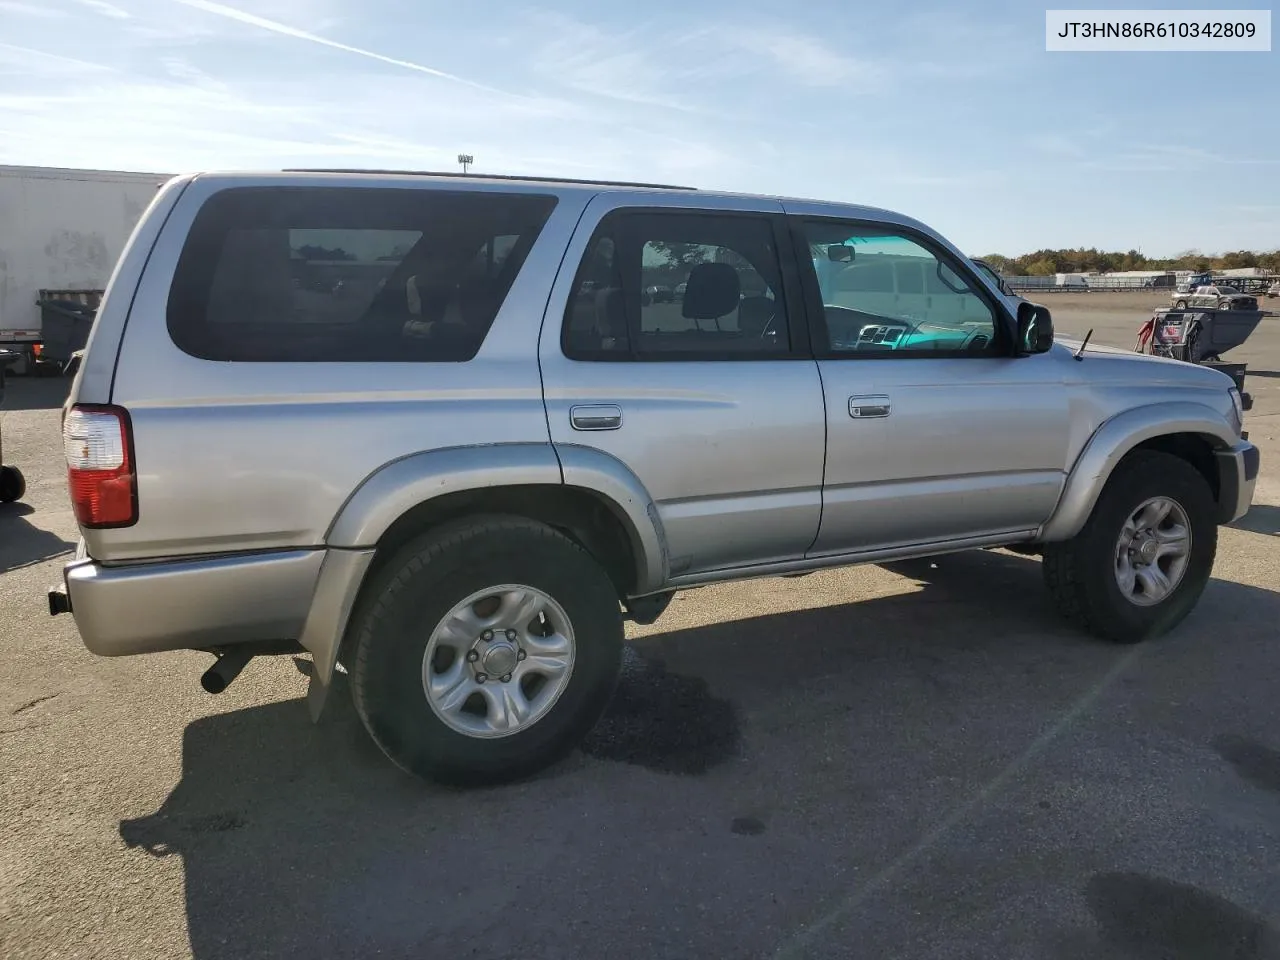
{"x":488,"y":176}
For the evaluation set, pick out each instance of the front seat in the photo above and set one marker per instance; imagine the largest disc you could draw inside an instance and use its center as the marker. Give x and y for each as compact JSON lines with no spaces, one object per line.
{"x":713,"y":291}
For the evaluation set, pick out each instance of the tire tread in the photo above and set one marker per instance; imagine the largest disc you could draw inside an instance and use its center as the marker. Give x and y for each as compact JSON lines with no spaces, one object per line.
{"x":460,"y":541}
{"x":1064,"y":563}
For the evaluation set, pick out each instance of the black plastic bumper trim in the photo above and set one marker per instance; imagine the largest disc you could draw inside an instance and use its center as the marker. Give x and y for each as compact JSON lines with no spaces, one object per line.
{"x":1252,"y":459}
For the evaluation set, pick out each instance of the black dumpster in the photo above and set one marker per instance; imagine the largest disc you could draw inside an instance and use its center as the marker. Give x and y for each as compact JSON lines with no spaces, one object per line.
{"x":66,"y":316}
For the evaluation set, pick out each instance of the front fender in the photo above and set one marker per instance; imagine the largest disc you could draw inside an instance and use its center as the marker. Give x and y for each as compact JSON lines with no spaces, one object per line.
{"x":1108,"y":446}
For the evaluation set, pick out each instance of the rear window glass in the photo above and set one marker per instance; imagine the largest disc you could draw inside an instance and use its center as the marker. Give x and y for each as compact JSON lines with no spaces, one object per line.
{"x":343,"y":274}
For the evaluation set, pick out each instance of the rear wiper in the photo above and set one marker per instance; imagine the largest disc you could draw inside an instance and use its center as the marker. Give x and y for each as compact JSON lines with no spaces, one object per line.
{"x":1079,"y":354}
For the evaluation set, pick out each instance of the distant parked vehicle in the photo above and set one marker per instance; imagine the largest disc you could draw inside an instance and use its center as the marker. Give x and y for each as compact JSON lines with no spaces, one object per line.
{"x":1215,"y":297}
{"x":1274,"y":290}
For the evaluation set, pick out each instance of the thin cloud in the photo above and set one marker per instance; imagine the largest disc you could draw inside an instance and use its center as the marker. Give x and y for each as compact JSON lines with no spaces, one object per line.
{"x":1059,"y":145}
{"x":55,"y":57}
{"x":189,"y":73}
{"x":31,"y":10}
{"x":1199,"y":155}
{"x":274,"y":26}
{"x":106,"y":9}
{"x":1170,"y":158}
{"x":590,"y":60}
{"x":804,"y":58}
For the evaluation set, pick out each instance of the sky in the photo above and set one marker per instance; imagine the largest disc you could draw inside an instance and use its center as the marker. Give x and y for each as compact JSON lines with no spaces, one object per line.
{"x":953,"y":114}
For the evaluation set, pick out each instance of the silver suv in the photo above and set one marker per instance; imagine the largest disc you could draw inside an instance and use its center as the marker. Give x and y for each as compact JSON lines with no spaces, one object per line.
{"x":430,"y":428}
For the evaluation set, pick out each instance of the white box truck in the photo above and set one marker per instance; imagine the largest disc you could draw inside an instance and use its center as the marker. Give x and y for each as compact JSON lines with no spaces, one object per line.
{"x":61,"y":232}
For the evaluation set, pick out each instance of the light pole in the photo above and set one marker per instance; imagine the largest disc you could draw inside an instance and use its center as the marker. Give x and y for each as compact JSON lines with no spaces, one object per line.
{"x":466,"y":160}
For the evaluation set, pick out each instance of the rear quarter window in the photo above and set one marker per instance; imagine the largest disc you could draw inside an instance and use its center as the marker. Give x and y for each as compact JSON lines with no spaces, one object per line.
{"x":297,"y":274}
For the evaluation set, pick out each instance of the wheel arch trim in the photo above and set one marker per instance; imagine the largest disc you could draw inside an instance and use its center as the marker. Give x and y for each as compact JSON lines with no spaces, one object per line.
{"x":399,"y":486}
{"x":1112,"y":441}
{"x":603,"y":474}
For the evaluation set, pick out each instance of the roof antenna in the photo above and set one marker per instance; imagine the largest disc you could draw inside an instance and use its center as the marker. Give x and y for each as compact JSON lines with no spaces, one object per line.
{"x":1083,"y":343}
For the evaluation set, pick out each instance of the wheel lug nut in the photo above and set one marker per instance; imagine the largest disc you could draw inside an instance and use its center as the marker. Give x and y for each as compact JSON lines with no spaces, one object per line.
{"x":472,"y":657}
{"x":487,"y":636}
{"x":506,"y":678}
{"x":511,"y":634}
{"x":521,"y":655}
{"x":481,"y":677}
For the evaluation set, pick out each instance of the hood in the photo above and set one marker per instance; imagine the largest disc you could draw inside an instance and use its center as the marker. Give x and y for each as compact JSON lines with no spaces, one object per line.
{"x":1118,"y":365}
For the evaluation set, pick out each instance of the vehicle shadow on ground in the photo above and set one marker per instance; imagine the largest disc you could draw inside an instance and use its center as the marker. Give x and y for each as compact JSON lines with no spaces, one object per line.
{"x":1261,"y":518}
{"x":35,"y":393}
{"x":22,"y":544}
{"x":738,"y":763}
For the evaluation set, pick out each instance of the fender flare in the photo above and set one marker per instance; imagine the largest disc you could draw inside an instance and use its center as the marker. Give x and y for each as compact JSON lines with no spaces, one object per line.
{"x":591,"y":469}
{"x":1112,"y":441}
{"x":397,"y":487}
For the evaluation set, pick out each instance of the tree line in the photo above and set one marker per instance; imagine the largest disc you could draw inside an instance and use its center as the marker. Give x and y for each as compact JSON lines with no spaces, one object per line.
{"x":1044,"y":263}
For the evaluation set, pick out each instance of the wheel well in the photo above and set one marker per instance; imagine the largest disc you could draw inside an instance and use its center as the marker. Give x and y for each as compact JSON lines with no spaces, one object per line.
{"x":579,"y":514}
{"x":1191,"y":447}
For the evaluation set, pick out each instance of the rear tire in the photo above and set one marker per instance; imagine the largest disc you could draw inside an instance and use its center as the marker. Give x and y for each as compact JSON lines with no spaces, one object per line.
{"x":419,"y":680}
{"x":12,"y":484}
{"x":1099,"y":580}
{"x":1180,"y":305}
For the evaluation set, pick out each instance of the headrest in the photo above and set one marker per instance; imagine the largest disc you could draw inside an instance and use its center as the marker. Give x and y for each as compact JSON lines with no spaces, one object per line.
{"x":713,"y":291}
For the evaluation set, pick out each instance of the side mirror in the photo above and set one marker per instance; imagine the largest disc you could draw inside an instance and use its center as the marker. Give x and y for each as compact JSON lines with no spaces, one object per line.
{"x":1035,"y":329}
{"x":839,"y":253}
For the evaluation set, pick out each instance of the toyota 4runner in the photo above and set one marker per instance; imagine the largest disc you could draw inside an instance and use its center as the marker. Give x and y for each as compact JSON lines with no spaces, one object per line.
{"x":432,"y":428}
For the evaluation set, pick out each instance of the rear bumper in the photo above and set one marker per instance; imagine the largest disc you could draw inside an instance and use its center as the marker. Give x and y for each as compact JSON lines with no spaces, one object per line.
{"x":190,"y":604}
{"x":1237,"y":476}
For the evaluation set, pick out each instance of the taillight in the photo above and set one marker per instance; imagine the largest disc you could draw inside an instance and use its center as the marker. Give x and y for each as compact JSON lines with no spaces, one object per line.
{"x":104,"y":491}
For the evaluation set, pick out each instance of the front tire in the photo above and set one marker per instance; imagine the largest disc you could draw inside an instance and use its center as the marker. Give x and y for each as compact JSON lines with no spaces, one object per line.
{"x":485,"y":651}
{"x":1180,"y":305}
{"x":12,"y":484}
{"x":1143,"y":558}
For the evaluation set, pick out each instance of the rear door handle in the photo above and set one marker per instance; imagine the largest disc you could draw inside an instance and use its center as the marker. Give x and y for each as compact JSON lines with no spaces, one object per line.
{"x":865,"y":408}
{"x":596,"y":416}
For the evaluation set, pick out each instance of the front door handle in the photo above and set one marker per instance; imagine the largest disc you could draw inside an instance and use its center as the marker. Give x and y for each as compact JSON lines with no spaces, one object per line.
{"x":865,"y":408}
{"x":596,"y":416}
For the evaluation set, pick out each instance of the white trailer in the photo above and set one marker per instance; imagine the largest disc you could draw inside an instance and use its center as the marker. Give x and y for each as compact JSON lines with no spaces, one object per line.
{"x":61,"y":230}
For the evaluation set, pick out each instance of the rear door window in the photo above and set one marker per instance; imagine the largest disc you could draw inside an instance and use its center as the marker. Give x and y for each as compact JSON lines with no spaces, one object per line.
{"x":349,"y":274}
{"x":659,"y":286}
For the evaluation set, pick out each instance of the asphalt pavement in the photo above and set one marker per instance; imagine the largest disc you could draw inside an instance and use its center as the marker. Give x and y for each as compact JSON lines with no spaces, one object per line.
{"x":914,"y":761}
